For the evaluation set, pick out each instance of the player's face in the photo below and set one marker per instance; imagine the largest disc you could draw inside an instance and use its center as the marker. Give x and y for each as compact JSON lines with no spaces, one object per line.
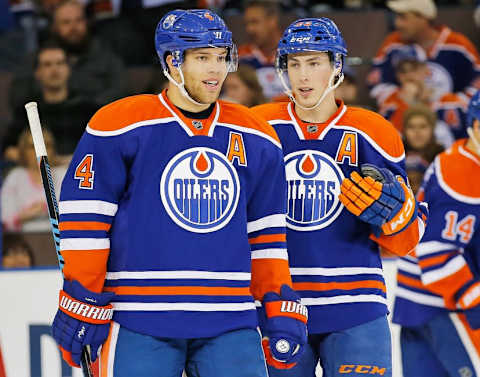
{"x":204,"y":70}
{"x":418,"y":132}
{"x":309,"y":74}
{"x":52,"y":70}
{"x":409,"y":24}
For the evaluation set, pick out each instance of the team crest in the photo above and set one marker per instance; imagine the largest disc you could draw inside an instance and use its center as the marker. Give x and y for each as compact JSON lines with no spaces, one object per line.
{"x":169,"y":21}
{"x":313,"y":187}
{"x":200,"y":190}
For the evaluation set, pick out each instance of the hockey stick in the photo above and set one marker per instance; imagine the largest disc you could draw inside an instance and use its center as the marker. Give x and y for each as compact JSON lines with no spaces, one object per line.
{"x":49,"y":189}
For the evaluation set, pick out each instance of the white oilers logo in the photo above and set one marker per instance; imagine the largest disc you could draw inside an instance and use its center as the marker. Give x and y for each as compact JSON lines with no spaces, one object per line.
{"x":313,"y":187}
{"x":200,"y":190}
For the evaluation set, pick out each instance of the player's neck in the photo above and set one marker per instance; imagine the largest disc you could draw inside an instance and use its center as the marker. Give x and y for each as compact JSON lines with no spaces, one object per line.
{"x":319,"y":114}
{"x":179,"y":100}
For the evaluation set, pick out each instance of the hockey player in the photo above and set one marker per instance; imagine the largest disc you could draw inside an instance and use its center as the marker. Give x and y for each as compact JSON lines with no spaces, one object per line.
{"x":172,"y":219}
{"x":335,"y":224}
{"x":438,"y":295}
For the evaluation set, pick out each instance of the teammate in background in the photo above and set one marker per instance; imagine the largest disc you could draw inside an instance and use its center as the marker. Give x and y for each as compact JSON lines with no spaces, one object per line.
{"x":452,"y":59}
{"x":333,"y":250}
{"x":438,"y":295}
{"x":173,"y":213}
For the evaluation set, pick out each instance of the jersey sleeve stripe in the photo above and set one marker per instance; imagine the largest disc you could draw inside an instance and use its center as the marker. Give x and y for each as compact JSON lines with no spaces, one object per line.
{"x":271,"y":221}
{"x":84,"y":243}
{"x":409,"y":281}
{"x":335,"y":271}
{"x":270,"y":254}
{"x":430,"y":247}
{"x":182,"y":306}
{"x":183,"y":274}
{"x":344,"y":299}
{"x":268,"y":238}
{"x":130,"y":127}
{"x":88,"y":206}
{"x":450,"y":268}
{"x":420,"y":298}
{"x":306,"y":286}
{"x":434,"y":261}
{"x":409,"y":267}
{"x":180,"y":291}
{"x":83,"y":225}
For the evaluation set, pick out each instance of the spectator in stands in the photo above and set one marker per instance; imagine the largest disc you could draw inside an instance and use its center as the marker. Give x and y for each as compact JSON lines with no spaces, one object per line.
{"x":63,"y":111}
{"x":262,"y":24}
{"x":96,"y":73}
{"x":415,"y":167}
{"x":16,"y":252}
{"x":418,"y":132}
{"x":243,"y":87}
{"x":348,"y":89}
{"x":412,"y":74}
{"x":23,"y":203}
{"x":452,"y":59}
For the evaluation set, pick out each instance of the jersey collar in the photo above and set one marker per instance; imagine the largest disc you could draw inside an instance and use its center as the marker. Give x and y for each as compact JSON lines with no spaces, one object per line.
{"x":192,"y":126}
{"x":315,"y":131}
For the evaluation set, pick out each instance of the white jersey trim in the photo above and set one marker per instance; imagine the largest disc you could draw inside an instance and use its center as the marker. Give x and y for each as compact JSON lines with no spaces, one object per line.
{"x":335,"y":271}
{"x":430,"y":247}
{"x":99,"y":207}
{"x":450,"y":191}
{"x":419,"y":298}
{"x":208,"y":275}
{"x":84,"y":243}
{"x":130,"y":127}
{"x":270,"y":253}
{"x":411,"y":268}
{"x":313,"y":301}
{"x":183,"y":306}
{"x":448,"y":269}
{"x":271,"y":221}
{"x":175,"y":116}
{"x":111,"y":349}
{"x":294,"y":122}
{"x":467,"y":342}
{"x":251,"y":131}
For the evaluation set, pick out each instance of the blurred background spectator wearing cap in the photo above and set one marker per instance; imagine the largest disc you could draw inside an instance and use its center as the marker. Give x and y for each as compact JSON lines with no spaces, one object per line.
{"x":453,"y":61}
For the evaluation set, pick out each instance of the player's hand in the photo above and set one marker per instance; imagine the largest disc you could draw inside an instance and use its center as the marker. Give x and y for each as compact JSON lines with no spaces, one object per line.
{"x":468,"y":298}
{"x":83,"y":318}
{"x":285,"y":330}
{"x":385,"y":202}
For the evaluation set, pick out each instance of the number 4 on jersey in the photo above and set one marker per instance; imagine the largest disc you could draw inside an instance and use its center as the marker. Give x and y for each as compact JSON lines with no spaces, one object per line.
{"x":463,"y":228}
{"x":84,"y":173}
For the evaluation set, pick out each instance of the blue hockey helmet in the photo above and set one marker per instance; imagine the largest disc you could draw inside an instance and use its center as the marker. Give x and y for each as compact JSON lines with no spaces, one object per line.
{"x":180,"y":30}
{"x":473,"y":111}
{"x":311,"y":34}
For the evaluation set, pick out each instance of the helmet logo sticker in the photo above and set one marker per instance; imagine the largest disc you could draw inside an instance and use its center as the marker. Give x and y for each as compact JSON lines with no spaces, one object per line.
{"x":169,"y":21}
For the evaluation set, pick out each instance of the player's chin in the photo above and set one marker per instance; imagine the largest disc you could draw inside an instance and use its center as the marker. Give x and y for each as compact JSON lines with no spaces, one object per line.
{"x":208,"y":97}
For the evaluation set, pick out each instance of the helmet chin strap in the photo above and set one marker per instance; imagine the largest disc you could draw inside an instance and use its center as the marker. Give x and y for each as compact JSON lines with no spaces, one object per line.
{"x":474,"y":139}
{"x":181,"y":86}
{"x":327,"y":90}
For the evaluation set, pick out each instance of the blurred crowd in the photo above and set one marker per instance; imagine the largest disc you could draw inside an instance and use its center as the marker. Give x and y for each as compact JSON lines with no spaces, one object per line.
{"x":74,"y":56}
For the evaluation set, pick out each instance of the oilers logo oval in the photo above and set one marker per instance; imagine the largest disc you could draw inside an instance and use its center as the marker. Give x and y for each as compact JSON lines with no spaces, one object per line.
{"x":200,"y":190}
{"x":314,"y":181}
